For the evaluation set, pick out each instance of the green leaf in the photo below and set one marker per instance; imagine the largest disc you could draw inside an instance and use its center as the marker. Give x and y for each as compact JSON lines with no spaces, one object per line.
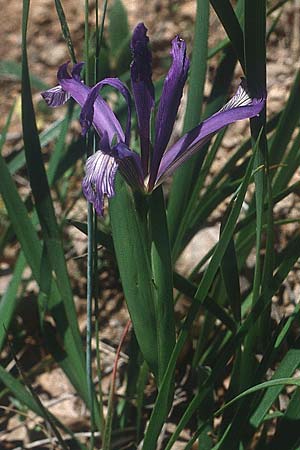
{"x":287,"y":124}
{"x":162,"y":280}
{"x":229,"y":20}
{"x":287,"y":432}
{"x":129,"y":231}
{"x":118,"y":26}
{"x":103,"y":238}
{"x":180,"y":190}
{"x":287,"y":367}
{"x":274,"y":383}
{"x":10,"y":299}
{"x":65,"y":29}
{"x":289,"y":165}
{"x":45,"y":137}
{"x":61,"y":304}
{"x":41,"y":192}
{"x":160,"y":410}
{"x":189,"y":289}
{"x":13,"y":70}
{"x":32,"y":402}
{"x":183,"y":192}
{"x":230,"y":275}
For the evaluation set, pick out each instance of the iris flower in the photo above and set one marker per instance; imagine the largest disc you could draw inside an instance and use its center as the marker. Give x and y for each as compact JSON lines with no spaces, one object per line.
{"x":147,"y":170}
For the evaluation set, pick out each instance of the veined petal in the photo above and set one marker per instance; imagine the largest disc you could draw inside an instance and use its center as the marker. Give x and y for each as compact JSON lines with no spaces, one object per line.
{"x":55,"y":96}
{"x":169,"y":103}
{"x":92,"y":112}
{"x":240,"y":106}
{"x":104,"y":118}
{"x":142,"y":87}
{"x":101,"y":169}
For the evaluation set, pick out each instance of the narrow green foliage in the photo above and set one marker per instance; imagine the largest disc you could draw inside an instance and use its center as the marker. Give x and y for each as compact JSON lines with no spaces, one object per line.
{"x":180,"y":233}
{"x":13,"y":71}
{"x":10,"y":299}
{"x":40,"y":189}
{"x":230,"y":22}
{"x":287,"y":124}
{"x":180,"y":189}
{"x":230,"y":275}
{"x":161,"y":407}
{"x":286,"y":368}
{"x":287,"y":435}
{"x":225,"y":301}
{"x":30,"y":399}
{"x":255,"y":58}
{"x":65,"y":29}
{"x":162,"y":280}
{"x":129,"y":218}
{"x":119,"y":36}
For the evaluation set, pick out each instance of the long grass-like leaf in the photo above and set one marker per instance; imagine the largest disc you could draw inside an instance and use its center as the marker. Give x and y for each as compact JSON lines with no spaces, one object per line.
{"x":227,"y":16}
{"x":129,"y":219}
{"x":160,"y":409}
{"x":180,"y":189}
{"x":65,"y":29}
{"x":41,"y":192}
{"x":286,"y":369}
{"x":13,"y":70}
{"x":10,"y":298}
{"x":27,"y":399}
{"x":162,"y":280}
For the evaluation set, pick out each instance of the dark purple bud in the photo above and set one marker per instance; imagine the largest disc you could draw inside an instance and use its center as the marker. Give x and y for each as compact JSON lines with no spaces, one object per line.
{"x":142,"y":86}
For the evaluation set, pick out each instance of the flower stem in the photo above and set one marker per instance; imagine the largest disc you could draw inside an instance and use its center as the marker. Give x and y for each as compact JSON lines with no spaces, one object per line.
{"x":90,"y":249}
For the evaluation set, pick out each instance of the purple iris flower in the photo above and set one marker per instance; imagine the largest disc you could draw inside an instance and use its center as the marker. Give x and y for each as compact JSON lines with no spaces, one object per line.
{"x":147,"y":170}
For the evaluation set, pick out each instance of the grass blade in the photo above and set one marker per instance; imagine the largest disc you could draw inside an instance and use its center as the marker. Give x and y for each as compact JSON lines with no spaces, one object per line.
{"x":162,"y":280}
{"x":161,"y":407}
{"x":9,"y":300}
{"x":13,"y":70}
{"x":229,"y":20}
{"x":287,"y":367}
{"x":180,"y":190}
{"x":129,"y":231}
{"x":65,"y":30}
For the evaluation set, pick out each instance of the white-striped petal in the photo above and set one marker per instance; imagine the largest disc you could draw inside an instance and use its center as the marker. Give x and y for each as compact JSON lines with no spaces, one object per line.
{"x":99,"y":180}
{"x":55,"y":96}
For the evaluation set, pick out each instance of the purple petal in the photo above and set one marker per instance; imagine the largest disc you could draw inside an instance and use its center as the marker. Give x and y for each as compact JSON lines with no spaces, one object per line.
{"x":169,"y":103}
{"x":130,"y":166}
{"x":101,"y":169}
{"x":104,"y":118}
{"x":76,"y":71}
{"x":89,"y":112}
{"x":241,"y":106}
{"x":143,"y":89}
{"x":55,"y":96}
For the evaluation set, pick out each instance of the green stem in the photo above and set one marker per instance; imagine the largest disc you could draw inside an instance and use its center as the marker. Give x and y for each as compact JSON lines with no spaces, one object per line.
{"x":90,"y":249}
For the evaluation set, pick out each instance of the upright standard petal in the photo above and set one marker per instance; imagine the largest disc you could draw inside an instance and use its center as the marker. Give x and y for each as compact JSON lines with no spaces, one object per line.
{"x":142,"y":87}
{"x":240,"y":106}
{"x":169,"y":103}
{"x":104,"y":118}
{"x":101,"y":169}
{"x":91,"y":111}
{"x":55,"y":96}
